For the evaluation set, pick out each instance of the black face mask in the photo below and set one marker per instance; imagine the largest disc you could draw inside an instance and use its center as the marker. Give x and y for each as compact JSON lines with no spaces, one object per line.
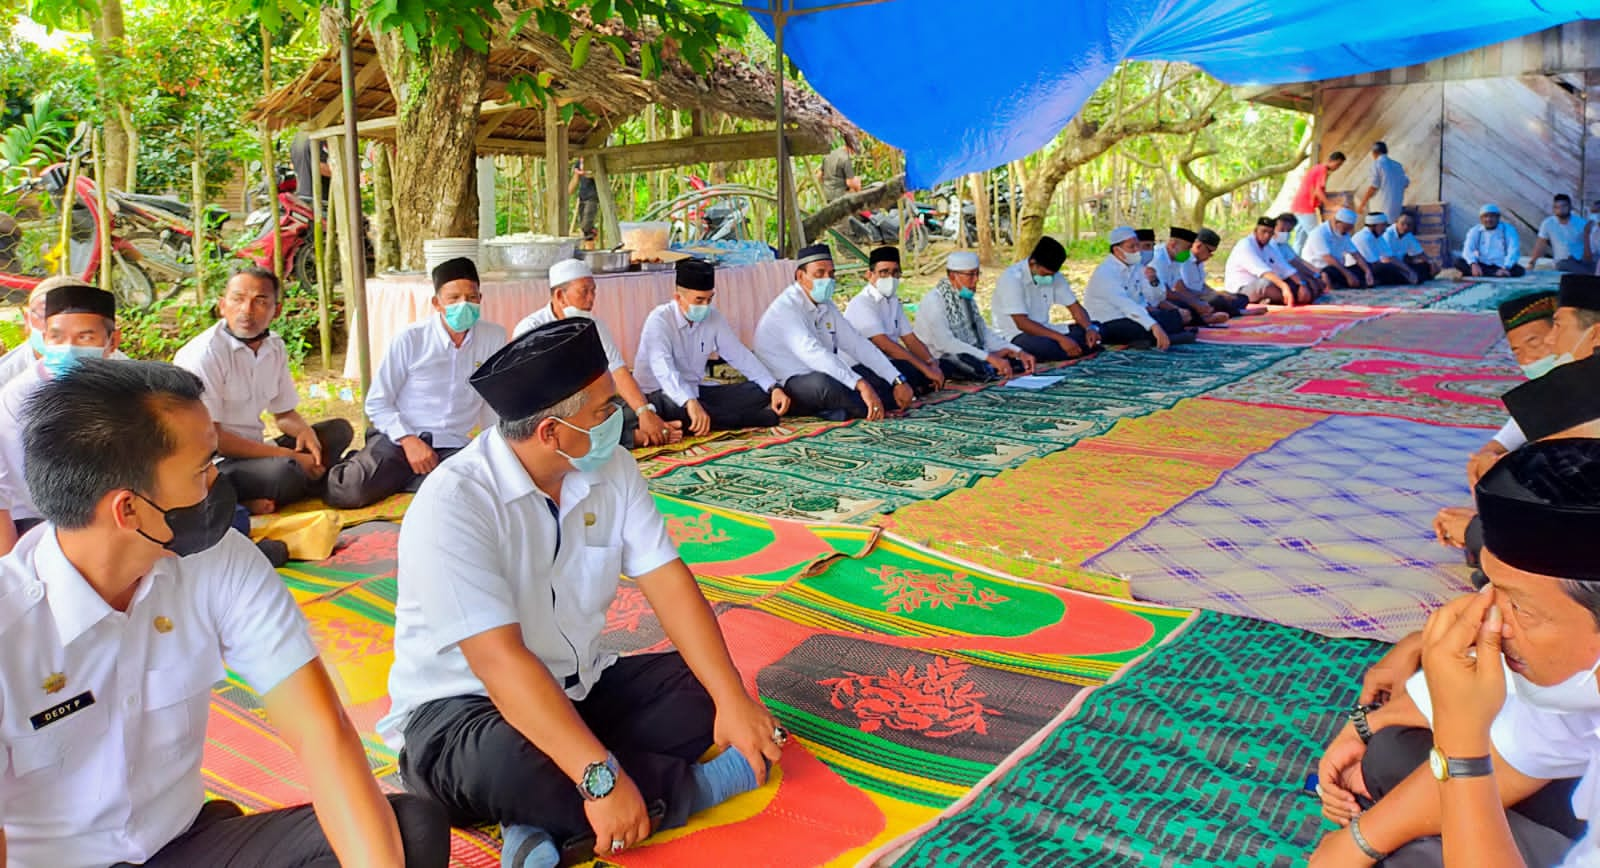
{"x":199,"y":526}
{"x":249,"y":340}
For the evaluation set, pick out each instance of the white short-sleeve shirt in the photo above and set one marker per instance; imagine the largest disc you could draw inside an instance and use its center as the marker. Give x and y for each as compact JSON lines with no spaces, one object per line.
{"x":103,"y":713}
{"x":874,"y":315}
{"x":240,"y":383}
{"x":1566,"y":239}
{"x":480,"y":549}
{"x":1016,"y":293}
{"x":546,"y":315}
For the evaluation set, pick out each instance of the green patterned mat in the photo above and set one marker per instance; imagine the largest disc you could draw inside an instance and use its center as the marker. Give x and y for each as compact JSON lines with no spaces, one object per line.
{"x":1197,"y":757}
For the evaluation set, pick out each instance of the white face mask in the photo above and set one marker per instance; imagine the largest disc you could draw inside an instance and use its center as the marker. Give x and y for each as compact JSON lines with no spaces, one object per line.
{"x":1577,"y":694}
{"x":885,"y":287}
{"x":578,"y":312}
{"x":1281,"y":238}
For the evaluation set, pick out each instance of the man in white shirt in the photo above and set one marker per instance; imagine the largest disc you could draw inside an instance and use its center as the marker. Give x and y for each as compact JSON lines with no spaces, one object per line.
{"x":1167,"y":265}
{"x":116,"y":618}
{"x":246,"y":371}
{"x":1114,"y":298}
{"x":1156,"y":294}
{"x":876,"y":312}
{"x":954,"y":330}
{"x":1402,"y":239}
{"x":679,"y":337}
{"x":1507,"y":695}
{"x":1328,"y":249}
{"x":1387,"y":183}
{"x":1192,"y":275}
{"x":79,"y":322}
{"x":24,"y":354}
{"x":1294,"y":269}
{"x":1024,"y":295}
{"x":1565,"y":237}
{"x":421,"y":409}
{"x":572,"y":294}
{"x":507,"y":708}
{"x":1492,"y":248}
{"x":1388,"y":268}
{"x":827,"y":368}
{"x":1255,"y":271}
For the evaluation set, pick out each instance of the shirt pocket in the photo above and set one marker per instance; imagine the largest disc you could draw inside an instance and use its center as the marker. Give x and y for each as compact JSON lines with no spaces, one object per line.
{"x":176,"y":704}
{"x":596,"y":587}
{"x":71,"y":740}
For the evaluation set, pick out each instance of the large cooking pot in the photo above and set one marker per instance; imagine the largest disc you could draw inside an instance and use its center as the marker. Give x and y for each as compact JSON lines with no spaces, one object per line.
{"x":606,"y":261}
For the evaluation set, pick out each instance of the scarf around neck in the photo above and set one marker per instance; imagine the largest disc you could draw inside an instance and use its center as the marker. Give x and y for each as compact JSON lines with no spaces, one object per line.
{"x":962,"y":314}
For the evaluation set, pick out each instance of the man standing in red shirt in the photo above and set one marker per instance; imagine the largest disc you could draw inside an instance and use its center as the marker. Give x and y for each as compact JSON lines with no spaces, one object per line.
{"x":1313,"y":197}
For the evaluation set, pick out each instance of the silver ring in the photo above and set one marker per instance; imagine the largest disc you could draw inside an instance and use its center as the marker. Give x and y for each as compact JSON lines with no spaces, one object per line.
{"x":617,"y":845}
{"x":780,"y":736}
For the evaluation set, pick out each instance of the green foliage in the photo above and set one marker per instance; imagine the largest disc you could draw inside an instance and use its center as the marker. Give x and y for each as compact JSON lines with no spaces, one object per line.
{"x":37,"y":140}
{"x":11,"y":333}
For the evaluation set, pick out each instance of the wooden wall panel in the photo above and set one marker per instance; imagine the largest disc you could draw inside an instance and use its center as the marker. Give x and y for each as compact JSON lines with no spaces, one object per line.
{"x":1406,"y":116}
{"x":1591,"y":142}
{"x":1572,"y":47}
{"x":1512,"y":141}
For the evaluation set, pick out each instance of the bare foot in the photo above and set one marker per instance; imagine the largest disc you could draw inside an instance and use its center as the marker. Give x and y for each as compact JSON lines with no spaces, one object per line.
{"x":1217,"y":318}
{"x":261,"y":506}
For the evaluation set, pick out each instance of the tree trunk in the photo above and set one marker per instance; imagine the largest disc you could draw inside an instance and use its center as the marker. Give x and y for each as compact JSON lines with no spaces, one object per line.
{"x":980,"y":202}
{"x":438,"y":92}
{"x":109,"y":43}
{"x":386,"y":241}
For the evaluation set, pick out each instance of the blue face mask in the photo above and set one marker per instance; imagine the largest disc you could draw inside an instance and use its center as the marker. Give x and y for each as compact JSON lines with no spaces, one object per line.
{"x":697,"y":312}
{"x":36,"y":342}
{"x":968,"y":294}
{"x":1538,"y":368}
{"x":462,"y":315}
{"x":59,"y":360}
{"x":1043,"y":279}
{"x":1146,"y":257}
{"x":603,"y":440}
{"x":822,"y":289}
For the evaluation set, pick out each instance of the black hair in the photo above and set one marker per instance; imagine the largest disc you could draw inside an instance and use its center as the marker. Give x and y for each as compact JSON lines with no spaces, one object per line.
{"x":1562,"y":197}
{"x":99,"y":428}
{"x":1380,"y":148}
{"x":259,"y":273}
{"x":1336,"y":157}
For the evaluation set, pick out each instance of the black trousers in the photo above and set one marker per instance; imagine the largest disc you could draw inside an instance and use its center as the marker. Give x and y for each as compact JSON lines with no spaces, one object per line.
{"x":817,"y":394}
{"x":1423,"y":266}
{"x":223,"y":837}
{"x":1575,"y":266}
{"x":915,"y":378}
{"x":741,"y":405}
{"x":1126,"y":331}
{"x":1388,"y":274}
{"x":281,"y":480}
{"x":377,"y":471}
{"x":1465,"y":267}
{"x":1542,"y":824}
{"x":648,"y":710}
{"x":1047,"y":350}
{"x":967,"y":368}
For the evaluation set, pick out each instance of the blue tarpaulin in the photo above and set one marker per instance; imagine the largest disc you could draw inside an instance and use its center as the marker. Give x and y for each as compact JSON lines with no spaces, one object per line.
{"x":966,"y":85}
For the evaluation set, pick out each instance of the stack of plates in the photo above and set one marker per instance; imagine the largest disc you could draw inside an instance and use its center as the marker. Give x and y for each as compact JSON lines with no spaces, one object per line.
{"x":440,"y":250}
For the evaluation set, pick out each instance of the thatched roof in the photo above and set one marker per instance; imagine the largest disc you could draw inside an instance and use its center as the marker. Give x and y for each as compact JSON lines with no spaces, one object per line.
{"x":609,"y":90}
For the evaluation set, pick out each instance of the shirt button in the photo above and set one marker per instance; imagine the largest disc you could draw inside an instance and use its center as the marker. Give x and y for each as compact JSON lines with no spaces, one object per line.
{"x":35,"y":591}
{"x":132,"y":701}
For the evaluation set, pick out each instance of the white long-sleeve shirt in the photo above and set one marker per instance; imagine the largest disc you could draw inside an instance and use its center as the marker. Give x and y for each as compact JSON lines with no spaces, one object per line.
{"x":1510,"y":436}
{"x":421,"y":386}
{"x":1372,"y":246}
{"x":933,"y":327}
{"x":1016,"y":293}
{"x":1403,"y":245}
{"x":797,"y":336}
{"x":673,"y":353}
{"x":1248,"y":262}
{"x":546,"y":315}
{"x":1325,"y":247}
{"x":1497,"y":249}
{"x":1116,"y":291}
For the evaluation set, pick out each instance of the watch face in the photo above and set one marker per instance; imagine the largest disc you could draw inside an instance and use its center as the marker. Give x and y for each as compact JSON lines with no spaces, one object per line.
{"x":1437,"y":765}
{"x":599,"y":780}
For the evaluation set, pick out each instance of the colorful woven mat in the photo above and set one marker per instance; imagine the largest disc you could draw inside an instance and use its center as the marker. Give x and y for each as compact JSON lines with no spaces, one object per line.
{"x":1485,"y":294}
{"x":1437,"y":333}
{"x":1394,"y":297}
{"x":907,"y":677}
{"x":1330,"y":530}
{"x":1043,"y":519}
{"x":1197,"y":756}
{"x":1406,"y":385}
{"x":1286,"y":327}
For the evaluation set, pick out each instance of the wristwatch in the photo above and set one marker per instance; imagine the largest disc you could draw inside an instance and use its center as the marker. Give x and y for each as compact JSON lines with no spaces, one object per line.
{"x":1358,"y":719}
{"x":639,"y":410}
{"x":1445,"y":768}
{"x":599,"y":779}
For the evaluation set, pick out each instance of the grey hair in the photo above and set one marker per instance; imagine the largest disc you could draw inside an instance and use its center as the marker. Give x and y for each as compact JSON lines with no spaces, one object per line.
{"x":521,"y":430}
{"x":1585,"y":594}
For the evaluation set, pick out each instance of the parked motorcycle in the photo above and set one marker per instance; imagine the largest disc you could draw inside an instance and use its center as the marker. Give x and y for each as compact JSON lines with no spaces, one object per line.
{"x":295,"y":220}
{"x":162,"y":228}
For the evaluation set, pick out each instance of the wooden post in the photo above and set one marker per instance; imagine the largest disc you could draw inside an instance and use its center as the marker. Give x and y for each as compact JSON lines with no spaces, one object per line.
{"x":103,"y":217}
{"x":1073,"y":204}
{"x":197,"y":249}
{"x":564,"y":165}
{"x":981,"y":207}
{"x":791,"y":203}
{"x":386,"y":241}
{"x":68,"y":196}
{"x":554,"y":219}
{"x":608,"y":201}
{"x":355,"y":240}
{"x":269,"y":160}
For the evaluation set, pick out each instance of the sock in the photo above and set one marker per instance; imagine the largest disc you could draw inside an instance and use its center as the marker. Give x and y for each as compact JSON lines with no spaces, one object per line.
{"x":527,"y":847}
{"x":721,"y":779}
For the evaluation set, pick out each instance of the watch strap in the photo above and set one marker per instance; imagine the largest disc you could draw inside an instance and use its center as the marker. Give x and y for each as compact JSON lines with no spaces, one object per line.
{"x":1358,"y":720}
{"x":1372,"y":852}
{"x":1469,"y":767}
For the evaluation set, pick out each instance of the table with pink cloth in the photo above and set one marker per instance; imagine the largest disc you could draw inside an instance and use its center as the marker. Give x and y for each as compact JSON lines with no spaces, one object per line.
{"x":622,"y":301}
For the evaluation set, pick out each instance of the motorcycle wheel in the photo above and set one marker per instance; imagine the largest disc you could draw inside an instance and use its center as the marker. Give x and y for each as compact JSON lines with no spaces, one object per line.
{"x":916,"y":237}
{"x":305,"y":266}
{"x":131,"y":285}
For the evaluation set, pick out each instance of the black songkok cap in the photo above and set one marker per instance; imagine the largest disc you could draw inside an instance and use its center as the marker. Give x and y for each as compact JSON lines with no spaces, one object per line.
{"x":1268,"y":222}
{"x":1208,"y":237}
{"x":1528,"y":308}
{"x":1048,"y":254}
{"x":460,"y":268}
{"x":696,"y":274}
{"x":80,"y":297}
{"x":883,"y":254}
{"x":1579,"y":290}
{"x":1567,"y":396}
{"x":1181,"y":233}
{"x":541,"y":368}
{"x":1145,"y":234}
{"x":1540,"y":507}
{"x":814,"y":253}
